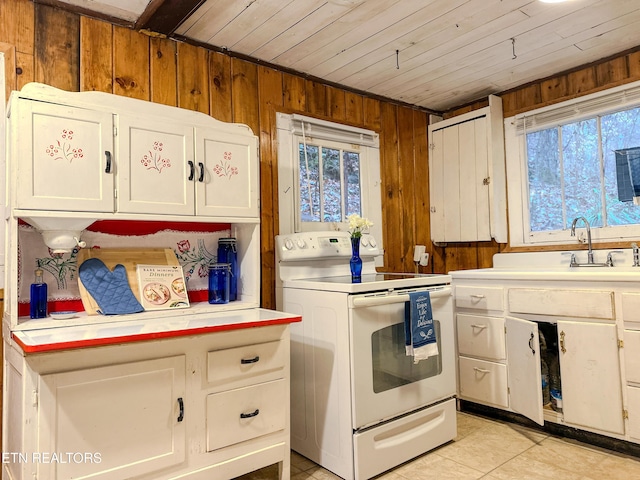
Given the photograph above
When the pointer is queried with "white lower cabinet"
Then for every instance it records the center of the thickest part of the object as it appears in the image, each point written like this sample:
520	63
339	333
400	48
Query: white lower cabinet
633	402
483	381
590	371
499	328
126	416
208	406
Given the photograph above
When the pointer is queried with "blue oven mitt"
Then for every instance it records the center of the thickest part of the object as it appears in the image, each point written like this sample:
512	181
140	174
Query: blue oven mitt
110	290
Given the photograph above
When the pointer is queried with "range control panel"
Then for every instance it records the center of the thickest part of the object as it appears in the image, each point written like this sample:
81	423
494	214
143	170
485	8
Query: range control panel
316	245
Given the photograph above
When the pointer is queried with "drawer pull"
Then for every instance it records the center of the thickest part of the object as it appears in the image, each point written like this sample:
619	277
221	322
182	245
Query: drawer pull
181	405
481	327
249	415
481	370
246	361
477	296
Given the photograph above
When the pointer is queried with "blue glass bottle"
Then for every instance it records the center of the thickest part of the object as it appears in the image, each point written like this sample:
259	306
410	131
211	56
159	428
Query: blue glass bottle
219	283
228	253
38	298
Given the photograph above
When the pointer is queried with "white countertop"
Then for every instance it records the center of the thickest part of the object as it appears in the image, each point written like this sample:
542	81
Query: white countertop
82	336
554	265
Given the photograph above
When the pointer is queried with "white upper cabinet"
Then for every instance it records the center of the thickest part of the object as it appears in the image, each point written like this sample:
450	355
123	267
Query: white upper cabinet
95	152
467	177
156	166
226	174
66	157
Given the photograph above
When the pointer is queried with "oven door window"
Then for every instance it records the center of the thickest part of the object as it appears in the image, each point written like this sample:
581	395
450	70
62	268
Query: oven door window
392	368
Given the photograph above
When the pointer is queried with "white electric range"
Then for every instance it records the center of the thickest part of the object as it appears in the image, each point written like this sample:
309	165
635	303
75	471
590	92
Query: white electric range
359	404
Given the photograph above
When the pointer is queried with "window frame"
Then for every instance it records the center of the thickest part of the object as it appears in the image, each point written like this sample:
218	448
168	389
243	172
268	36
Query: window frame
516	127
294	129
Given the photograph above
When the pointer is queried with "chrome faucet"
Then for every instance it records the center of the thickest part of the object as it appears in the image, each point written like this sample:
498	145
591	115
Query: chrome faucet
636	254
588	227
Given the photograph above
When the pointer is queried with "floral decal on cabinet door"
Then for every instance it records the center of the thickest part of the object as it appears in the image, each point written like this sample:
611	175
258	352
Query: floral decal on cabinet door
63	148
154	160
224	168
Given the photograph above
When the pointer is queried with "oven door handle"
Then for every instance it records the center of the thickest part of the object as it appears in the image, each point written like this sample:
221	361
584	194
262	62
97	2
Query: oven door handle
373	301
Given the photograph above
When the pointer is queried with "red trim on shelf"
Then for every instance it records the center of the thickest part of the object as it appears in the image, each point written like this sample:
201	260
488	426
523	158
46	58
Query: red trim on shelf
147	227
96	342
76	305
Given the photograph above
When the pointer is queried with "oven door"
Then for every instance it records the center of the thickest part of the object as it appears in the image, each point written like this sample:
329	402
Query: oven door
385	381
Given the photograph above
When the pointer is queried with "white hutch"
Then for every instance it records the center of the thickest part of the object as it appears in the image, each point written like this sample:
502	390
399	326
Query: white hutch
195	393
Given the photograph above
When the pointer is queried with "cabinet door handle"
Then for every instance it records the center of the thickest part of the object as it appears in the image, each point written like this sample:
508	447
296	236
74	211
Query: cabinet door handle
249	415
531	344
562	347
107	155
246	361
201	177
481	327
181	405
192	170
481	370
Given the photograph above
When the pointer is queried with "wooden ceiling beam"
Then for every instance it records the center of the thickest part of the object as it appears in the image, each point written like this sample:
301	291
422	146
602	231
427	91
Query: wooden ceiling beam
164	16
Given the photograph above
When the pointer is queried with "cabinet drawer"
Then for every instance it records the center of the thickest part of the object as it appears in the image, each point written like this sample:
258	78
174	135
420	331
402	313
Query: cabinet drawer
480	336
483	381
239	364
632	355
631	307
244	413
482	298
562	303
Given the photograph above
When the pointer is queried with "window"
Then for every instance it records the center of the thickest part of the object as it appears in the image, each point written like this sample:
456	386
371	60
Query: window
573	160
329	181
326	172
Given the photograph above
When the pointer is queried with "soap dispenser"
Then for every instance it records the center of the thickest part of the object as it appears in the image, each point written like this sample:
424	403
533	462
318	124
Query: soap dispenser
38	299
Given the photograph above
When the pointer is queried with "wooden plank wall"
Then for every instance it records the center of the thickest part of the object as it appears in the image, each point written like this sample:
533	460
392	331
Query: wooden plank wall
78	53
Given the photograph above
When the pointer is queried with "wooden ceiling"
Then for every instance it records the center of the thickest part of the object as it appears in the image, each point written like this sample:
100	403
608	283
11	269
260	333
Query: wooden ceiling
436	54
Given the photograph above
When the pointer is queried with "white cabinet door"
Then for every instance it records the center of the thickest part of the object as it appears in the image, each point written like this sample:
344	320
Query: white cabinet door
226	174
157	171
65	157
590	371
129	414
459	176
525	381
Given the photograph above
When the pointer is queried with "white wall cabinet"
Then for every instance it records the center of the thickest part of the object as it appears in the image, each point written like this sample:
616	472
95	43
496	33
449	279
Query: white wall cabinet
66	157
467	177
92	153
173	168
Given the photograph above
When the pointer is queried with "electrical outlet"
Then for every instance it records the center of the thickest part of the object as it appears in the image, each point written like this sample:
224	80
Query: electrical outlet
424	259
418	251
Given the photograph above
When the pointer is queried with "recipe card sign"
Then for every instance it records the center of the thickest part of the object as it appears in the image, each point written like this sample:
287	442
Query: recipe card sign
162	287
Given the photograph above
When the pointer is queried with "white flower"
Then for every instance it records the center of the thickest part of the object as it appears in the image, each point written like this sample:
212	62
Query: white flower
357	225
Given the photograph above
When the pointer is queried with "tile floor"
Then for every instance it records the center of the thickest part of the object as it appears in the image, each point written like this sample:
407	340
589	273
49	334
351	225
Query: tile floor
491	450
